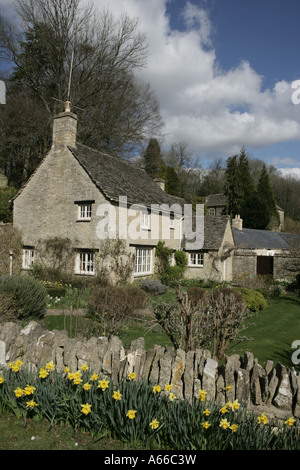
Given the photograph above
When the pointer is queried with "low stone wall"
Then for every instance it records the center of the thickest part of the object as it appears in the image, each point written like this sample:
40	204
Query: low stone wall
273	387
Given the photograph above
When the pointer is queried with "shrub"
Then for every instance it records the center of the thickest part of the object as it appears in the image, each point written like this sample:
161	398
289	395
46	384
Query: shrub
253	299
56	291
112	306
154	287
8	307
195	295
29	295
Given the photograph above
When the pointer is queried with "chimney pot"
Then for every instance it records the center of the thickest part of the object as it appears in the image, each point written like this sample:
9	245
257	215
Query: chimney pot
237	222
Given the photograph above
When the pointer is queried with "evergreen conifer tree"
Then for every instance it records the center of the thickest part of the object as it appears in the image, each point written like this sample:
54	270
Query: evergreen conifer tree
266	194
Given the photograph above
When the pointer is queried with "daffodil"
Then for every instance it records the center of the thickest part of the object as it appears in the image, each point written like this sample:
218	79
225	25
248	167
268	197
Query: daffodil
67	369
1	379
77	381
71	375
235	405
84	367
202	395
29	389
94	377
228	388
290	421
103	384
224	424
234	427
86	409
205	424
131	414
19	392
117	395
154	424
223	409
206	412
31	404
50	366
172	396
168	387
156	389
131	376
262	419
43	373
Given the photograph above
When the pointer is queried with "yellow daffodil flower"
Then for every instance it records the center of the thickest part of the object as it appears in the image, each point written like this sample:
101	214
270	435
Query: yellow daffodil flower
224	424
31	404
202	395
77	381
235	405
156	389
94	377
131	414
86	409
29	389
262	419
172	396
206	412
168	387
131	376
234	427
43	373
50	366
67	369
84	367
86	386
154	424
1	379
19	392
228	388
103	384
290	421
117	395
205	424
223	409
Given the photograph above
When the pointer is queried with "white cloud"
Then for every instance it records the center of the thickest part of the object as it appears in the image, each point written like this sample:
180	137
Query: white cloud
213	110
210	108
295	172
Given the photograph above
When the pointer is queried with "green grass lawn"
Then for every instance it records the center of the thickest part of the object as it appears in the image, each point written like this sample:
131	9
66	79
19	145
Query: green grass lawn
272	331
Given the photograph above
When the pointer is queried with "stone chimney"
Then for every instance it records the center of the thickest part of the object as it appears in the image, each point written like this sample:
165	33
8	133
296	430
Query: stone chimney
237	222
64	128
160	182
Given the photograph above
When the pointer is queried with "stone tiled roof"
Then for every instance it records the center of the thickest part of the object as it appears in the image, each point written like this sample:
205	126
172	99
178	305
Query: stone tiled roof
254	239
214	200
214	230
116	177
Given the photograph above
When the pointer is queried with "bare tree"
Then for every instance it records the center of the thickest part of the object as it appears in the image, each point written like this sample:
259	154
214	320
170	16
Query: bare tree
66	49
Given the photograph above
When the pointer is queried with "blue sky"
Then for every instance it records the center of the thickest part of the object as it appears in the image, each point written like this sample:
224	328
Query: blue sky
222	71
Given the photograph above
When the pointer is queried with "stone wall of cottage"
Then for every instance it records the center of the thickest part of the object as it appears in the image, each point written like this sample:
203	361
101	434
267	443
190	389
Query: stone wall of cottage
273	388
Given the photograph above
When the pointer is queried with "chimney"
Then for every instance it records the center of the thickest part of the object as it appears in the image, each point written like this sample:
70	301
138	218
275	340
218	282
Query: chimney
160	182
64	128
237	222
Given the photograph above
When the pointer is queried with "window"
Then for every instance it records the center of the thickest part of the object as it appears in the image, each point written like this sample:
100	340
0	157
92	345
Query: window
28	257
85	211
143	261
85	263
145	220
172	218
196	259
211	212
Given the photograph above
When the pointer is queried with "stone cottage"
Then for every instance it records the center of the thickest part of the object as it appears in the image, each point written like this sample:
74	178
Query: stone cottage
89	197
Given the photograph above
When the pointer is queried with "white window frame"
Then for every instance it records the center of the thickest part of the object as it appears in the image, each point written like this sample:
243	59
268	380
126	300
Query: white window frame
28	257
85	211
145	220
85	263
143	261
211	212
196	259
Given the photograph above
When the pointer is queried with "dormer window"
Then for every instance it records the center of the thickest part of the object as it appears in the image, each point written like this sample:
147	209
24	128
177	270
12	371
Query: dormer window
84	210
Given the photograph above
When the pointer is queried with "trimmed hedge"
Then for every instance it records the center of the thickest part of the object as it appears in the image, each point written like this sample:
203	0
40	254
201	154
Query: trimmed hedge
253	299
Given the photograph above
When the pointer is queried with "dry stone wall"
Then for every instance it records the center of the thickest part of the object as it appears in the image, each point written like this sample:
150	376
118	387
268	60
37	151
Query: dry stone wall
273	387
